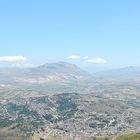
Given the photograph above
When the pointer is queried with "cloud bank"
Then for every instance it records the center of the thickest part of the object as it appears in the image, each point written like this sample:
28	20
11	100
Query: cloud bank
13	59
74	57
95	61
87	59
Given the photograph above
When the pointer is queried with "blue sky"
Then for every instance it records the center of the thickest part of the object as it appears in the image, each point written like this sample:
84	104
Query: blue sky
95	34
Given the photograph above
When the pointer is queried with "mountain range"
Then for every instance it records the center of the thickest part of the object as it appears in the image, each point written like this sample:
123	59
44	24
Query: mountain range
49	72
62	72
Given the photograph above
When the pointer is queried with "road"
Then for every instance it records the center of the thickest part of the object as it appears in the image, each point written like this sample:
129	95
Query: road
114	138
46	136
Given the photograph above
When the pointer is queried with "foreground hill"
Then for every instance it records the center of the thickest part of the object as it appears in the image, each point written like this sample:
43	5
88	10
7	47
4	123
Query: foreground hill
131	136
40	114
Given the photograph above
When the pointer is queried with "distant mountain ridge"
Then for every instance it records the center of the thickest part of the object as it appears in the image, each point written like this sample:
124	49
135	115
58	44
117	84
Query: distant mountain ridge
63	72
59	67
126	71
49	72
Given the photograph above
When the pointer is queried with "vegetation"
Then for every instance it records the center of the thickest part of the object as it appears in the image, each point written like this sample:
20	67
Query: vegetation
123	137
66	105
48	117
129	137
5	122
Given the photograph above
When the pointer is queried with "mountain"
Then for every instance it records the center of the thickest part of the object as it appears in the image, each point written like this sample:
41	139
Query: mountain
57	68
130	70
126	73
64	73
49	72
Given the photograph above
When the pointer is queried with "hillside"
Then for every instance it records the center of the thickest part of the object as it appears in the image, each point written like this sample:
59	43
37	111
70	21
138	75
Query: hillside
129	137
62	100
59	74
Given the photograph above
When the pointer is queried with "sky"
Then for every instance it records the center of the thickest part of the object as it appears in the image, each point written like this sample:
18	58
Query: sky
94	34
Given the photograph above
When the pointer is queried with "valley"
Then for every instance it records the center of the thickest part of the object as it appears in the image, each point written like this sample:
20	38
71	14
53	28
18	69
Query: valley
93	107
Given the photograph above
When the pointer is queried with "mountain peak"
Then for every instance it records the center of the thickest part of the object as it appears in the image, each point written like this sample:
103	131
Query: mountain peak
60	64
59	67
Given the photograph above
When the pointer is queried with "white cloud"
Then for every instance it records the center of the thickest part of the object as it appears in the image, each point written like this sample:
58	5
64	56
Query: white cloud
74	57
95	61
85	57
13	59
